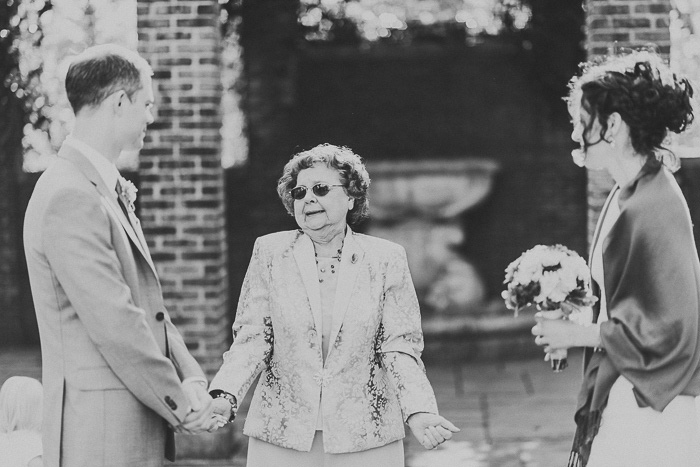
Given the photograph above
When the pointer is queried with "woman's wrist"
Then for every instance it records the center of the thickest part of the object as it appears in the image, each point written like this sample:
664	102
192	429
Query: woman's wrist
590	336
418	415
220	394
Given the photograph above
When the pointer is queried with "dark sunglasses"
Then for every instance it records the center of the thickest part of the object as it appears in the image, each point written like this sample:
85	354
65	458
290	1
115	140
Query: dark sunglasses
319	189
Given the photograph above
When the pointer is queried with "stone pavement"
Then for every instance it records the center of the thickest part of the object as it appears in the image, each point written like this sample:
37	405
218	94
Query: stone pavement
513	413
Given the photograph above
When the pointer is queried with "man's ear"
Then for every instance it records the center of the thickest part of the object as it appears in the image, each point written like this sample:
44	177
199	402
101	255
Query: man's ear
119	99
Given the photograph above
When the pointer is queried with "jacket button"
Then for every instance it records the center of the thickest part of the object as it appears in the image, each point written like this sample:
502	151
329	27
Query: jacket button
160	316
171	403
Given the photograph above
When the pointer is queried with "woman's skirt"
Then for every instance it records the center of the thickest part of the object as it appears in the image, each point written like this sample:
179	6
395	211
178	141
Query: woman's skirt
642	437
264	454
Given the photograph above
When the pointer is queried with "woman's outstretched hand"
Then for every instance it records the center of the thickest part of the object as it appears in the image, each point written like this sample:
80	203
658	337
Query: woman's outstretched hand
431	430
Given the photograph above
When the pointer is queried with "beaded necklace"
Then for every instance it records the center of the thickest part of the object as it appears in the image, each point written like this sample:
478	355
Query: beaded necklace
337	257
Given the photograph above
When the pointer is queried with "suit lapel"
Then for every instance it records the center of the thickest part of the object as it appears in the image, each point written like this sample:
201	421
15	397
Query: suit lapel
350	264
91	173
136	224
303	251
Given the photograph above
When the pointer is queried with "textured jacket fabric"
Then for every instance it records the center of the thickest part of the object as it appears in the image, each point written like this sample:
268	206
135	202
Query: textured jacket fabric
373	377
112	361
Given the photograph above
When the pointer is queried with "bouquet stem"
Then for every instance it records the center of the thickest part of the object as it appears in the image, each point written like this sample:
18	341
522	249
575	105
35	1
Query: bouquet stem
558	360
557	357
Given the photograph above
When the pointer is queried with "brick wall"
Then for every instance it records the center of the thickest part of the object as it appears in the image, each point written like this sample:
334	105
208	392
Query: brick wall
630	23
182	195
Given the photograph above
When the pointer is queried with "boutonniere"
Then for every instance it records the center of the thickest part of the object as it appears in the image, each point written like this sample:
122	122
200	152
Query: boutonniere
128	194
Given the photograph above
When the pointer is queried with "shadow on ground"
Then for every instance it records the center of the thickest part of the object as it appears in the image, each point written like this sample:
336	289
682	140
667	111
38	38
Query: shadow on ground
512	413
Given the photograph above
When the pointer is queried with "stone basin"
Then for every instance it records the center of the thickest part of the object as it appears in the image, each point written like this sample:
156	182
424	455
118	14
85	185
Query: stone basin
418	204
436	189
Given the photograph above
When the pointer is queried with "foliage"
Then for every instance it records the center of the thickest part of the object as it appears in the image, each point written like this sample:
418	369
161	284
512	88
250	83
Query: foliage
20	61
43	37
409	22
234	141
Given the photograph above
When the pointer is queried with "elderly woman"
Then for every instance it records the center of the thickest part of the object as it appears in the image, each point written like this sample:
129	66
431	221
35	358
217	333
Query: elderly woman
642	367
330	318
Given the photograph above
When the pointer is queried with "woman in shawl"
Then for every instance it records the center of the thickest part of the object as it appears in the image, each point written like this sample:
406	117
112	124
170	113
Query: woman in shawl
642	350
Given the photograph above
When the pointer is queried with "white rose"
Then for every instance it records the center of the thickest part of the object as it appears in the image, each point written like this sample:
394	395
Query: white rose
568	279
583	316
548	283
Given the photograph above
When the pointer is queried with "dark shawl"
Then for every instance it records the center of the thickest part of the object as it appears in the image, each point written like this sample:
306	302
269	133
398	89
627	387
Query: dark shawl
652	287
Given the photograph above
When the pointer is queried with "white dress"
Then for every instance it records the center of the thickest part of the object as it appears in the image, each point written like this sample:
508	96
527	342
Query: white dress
631	436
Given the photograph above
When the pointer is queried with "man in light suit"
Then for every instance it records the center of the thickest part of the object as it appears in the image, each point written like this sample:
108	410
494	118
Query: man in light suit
117	376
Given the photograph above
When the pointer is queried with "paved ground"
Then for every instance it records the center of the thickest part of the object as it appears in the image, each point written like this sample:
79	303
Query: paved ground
514	413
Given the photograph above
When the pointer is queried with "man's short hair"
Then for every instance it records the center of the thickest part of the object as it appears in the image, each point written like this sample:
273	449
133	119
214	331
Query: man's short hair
102	70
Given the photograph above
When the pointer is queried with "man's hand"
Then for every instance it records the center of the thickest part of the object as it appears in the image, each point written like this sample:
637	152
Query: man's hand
200	417
430	430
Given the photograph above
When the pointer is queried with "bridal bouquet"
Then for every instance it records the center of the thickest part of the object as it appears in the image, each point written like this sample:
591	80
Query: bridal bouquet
557	281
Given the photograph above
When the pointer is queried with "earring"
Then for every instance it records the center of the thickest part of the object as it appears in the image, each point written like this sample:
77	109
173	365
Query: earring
612	144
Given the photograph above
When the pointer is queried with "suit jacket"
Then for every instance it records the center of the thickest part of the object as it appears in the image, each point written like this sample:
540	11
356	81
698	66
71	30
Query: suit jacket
372	379
112	361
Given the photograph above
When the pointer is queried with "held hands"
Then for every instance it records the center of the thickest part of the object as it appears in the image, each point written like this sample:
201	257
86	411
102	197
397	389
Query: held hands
431	430
221	414
200	417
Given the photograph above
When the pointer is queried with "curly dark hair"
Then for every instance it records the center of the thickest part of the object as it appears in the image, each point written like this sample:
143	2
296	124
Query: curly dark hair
353	176
650	100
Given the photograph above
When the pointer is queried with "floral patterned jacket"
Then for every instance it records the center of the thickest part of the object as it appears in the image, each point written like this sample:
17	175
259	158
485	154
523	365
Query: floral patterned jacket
372	379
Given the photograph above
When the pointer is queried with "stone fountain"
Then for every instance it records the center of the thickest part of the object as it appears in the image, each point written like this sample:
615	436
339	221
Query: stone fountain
418	204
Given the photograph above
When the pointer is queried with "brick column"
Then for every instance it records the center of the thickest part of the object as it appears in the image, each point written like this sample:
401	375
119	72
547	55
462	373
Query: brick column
182	196
630	23
182	184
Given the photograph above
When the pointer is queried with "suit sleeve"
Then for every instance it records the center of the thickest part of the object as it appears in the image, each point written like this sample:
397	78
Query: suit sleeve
185	363
78	246
252	330
401	340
